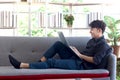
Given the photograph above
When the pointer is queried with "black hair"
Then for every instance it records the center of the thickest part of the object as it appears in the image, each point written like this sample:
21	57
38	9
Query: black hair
98	24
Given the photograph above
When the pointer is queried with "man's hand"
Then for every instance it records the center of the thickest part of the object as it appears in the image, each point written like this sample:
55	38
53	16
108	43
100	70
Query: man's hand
76	51
86	58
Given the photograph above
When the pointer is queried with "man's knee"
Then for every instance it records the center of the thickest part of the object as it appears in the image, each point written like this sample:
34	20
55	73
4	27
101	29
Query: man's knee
58	43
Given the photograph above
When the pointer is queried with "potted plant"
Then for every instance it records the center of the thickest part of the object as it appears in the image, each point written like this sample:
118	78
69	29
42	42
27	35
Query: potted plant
69	18
113	33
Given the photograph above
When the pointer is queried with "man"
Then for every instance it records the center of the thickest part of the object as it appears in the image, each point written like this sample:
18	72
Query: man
70	58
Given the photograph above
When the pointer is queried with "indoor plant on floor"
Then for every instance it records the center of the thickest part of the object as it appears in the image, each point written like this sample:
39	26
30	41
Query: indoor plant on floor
69	18
113	33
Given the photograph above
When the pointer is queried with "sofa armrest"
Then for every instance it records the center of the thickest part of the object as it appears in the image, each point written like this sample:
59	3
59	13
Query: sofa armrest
112	66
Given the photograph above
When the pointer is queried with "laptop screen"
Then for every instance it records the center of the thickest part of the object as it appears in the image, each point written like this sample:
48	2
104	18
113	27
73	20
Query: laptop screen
62	38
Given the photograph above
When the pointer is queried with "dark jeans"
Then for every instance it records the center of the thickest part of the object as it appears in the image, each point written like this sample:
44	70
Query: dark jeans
68	59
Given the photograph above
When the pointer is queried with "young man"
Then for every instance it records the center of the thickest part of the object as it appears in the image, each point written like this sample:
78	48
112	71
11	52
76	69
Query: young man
70	58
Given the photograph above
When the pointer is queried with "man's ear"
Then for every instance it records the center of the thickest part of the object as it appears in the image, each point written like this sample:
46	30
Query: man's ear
99	30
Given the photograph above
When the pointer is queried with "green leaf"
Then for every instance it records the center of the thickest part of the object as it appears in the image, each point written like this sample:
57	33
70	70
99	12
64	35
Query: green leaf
117	22
110	22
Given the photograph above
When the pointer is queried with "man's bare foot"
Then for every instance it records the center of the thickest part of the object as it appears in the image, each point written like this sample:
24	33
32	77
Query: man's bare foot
43	59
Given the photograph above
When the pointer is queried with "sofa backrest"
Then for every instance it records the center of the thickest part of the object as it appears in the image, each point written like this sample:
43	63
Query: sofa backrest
29	49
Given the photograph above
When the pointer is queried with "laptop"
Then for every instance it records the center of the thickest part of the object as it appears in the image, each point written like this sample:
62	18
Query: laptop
62	38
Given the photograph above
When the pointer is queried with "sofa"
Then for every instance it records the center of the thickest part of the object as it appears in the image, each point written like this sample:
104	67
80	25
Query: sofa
30	49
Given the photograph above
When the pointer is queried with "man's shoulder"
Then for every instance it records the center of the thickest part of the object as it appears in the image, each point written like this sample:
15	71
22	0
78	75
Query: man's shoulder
103	44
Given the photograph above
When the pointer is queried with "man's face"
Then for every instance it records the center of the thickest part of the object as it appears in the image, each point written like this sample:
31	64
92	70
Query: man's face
95	32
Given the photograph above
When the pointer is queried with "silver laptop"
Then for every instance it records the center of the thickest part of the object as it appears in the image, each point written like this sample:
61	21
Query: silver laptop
62	38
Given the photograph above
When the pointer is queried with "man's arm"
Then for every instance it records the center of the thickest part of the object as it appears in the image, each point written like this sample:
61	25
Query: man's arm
86	58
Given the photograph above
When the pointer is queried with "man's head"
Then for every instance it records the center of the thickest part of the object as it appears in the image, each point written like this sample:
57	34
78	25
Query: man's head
97	28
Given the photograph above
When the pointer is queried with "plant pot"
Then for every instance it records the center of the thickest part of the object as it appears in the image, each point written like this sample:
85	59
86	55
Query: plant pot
69	25
116	51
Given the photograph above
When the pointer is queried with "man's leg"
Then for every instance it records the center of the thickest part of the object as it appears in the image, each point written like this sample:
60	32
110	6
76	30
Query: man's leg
63	64
64	51
18	65
55	63
50	63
